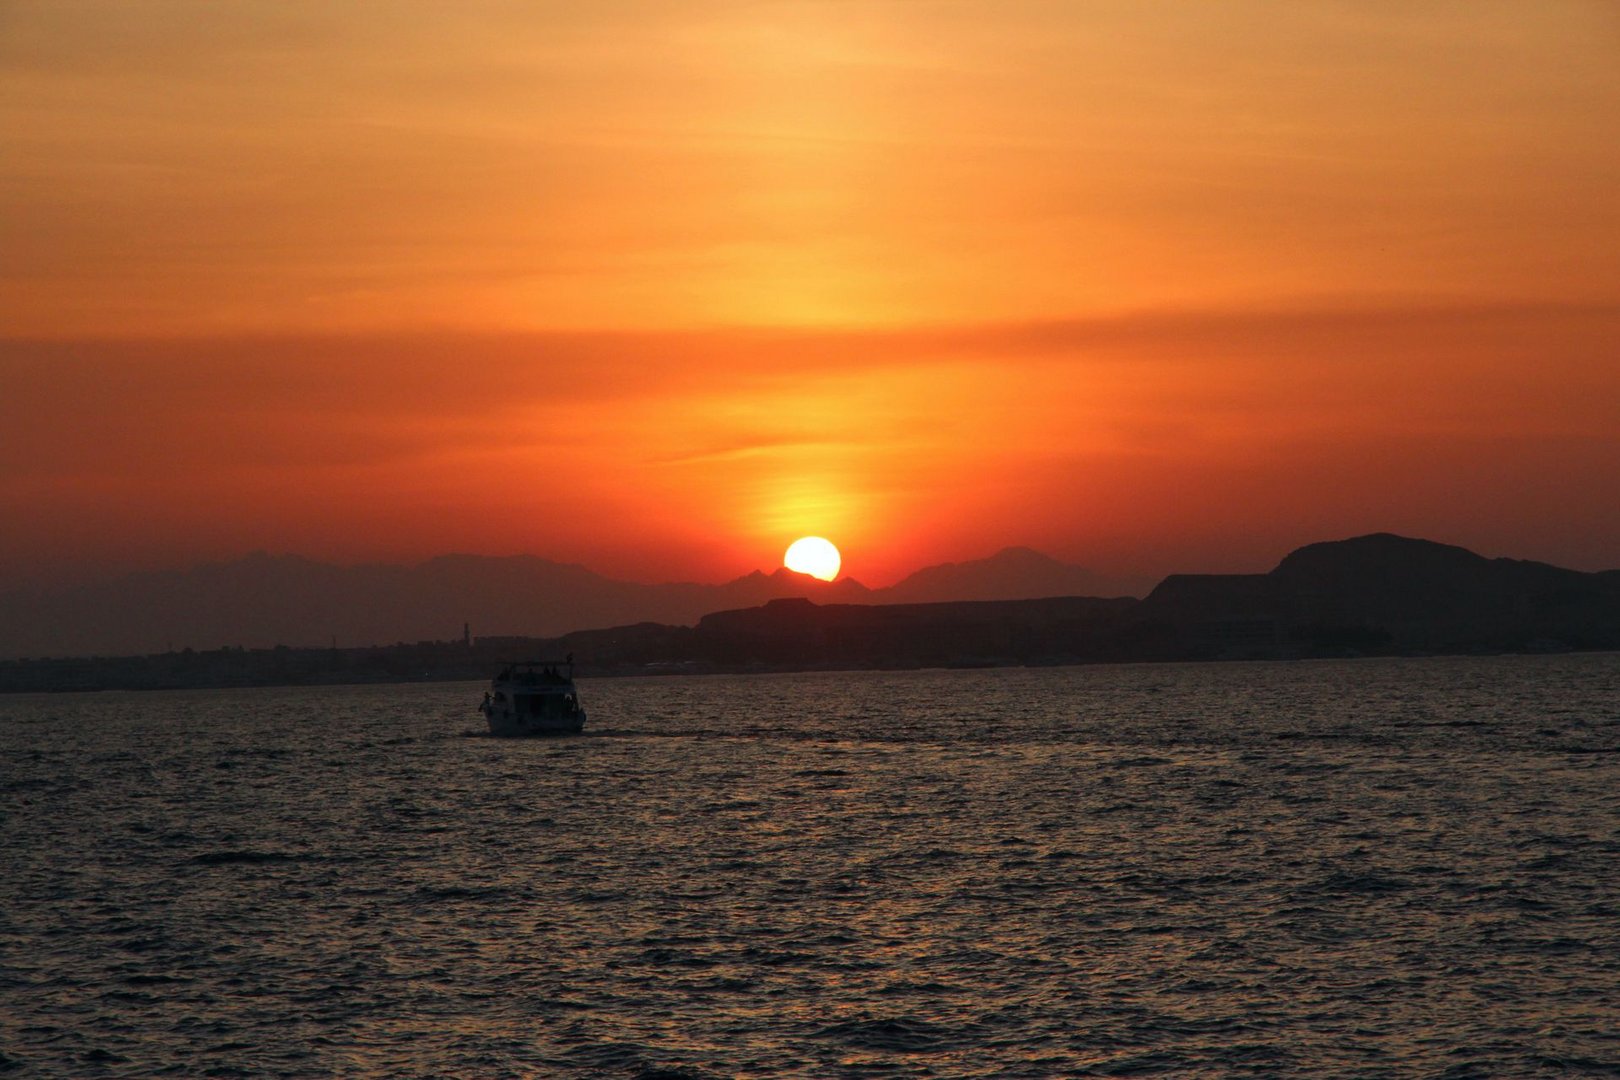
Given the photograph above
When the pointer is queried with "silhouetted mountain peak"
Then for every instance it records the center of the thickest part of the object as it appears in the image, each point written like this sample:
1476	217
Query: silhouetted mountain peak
1013	573
1376	551
1388	588
1025	555
1408	571
783	576
1015	556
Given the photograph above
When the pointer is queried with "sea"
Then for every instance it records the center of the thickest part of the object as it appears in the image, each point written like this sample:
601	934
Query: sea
1358	868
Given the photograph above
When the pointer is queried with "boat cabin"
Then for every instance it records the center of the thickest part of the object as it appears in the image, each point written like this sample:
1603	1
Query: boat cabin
531	696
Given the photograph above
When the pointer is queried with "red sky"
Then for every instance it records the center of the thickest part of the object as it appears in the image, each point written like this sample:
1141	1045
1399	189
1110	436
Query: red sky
658	287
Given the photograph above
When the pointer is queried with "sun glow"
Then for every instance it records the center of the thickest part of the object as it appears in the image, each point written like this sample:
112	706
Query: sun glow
814	556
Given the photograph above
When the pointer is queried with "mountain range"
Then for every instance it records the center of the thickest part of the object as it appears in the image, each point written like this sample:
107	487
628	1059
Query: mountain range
1369	595
1376	594
263	600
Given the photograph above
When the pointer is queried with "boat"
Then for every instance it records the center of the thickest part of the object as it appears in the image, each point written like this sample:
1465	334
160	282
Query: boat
533	697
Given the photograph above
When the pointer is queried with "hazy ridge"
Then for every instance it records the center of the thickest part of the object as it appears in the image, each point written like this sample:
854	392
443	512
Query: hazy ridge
264	600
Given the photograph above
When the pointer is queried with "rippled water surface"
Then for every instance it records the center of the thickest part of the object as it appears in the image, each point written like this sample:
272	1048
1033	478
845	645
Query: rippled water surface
1373	868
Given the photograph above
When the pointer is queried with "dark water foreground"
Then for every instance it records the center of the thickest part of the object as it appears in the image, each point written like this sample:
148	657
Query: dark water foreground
1359	869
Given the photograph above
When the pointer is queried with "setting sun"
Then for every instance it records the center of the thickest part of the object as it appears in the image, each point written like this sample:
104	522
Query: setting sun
814	556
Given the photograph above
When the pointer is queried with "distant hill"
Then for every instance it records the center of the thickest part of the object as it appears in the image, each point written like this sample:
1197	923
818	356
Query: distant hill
1014	573
264	600
1394	592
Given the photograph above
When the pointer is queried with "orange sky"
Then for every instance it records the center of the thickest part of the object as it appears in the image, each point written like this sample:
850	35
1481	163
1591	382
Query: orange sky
659	286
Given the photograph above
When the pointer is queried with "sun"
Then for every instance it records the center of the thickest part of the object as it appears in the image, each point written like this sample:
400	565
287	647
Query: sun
814	556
